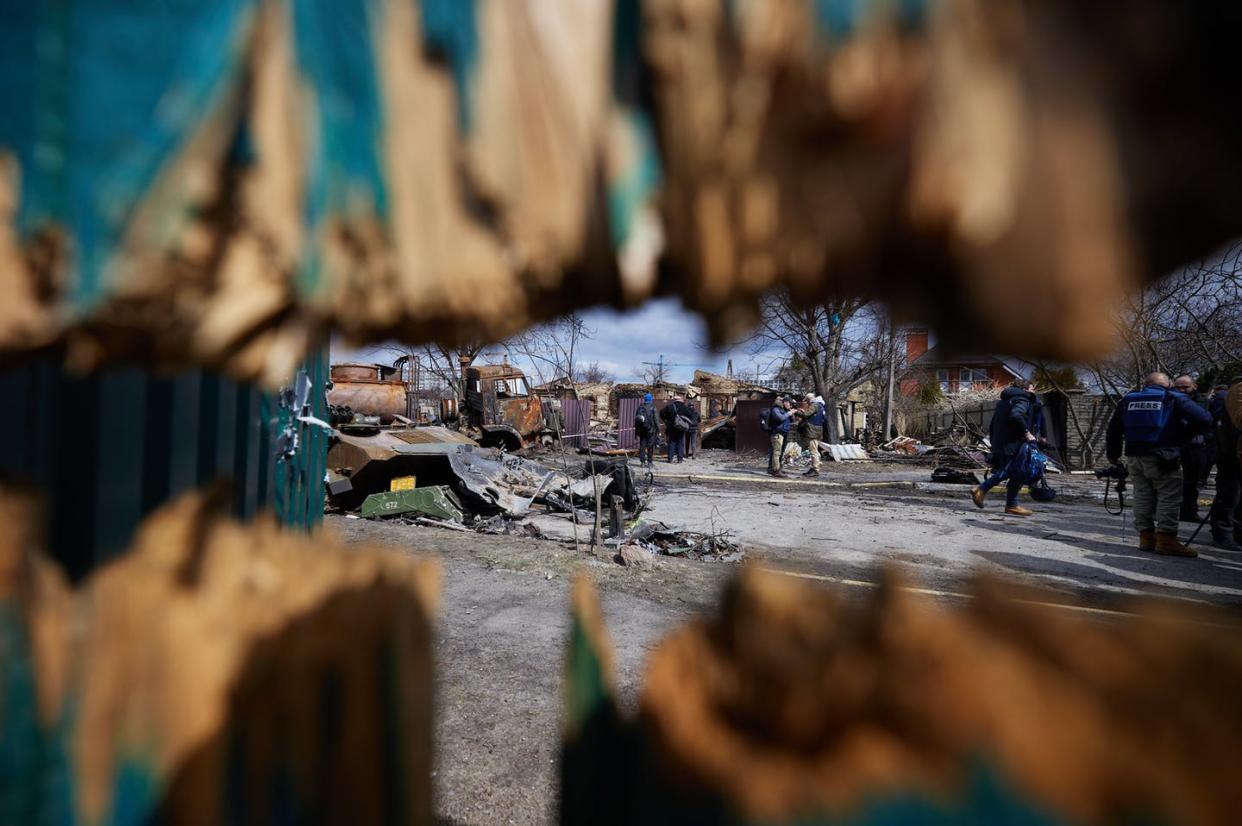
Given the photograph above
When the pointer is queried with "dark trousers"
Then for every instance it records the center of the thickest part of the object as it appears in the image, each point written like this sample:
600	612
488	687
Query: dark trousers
690	437
1195	460
676	441
646	448
1011	490
1226	510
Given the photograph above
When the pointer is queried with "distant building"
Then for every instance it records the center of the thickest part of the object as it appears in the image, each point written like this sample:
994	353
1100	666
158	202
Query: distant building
956	373
596	392
660	391
719	393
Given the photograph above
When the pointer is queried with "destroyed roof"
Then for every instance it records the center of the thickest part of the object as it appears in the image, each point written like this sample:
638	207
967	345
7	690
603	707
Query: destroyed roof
656	389
595	388
716	383
496	371
937	357
560	383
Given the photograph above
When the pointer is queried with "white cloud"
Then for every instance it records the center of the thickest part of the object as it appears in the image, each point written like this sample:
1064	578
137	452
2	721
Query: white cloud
621	343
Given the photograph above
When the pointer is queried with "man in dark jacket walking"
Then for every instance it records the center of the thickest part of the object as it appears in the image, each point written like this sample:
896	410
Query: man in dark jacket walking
646	429
1226	512
675	434
1154	423
1018	418
1196	454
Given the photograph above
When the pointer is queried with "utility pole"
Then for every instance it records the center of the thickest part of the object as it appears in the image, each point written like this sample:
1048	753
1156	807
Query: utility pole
892	374
661	364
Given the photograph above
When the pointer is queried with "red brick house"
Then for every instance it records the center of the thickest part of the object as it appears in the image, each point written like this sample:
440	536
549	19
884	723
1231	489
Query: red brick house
956	372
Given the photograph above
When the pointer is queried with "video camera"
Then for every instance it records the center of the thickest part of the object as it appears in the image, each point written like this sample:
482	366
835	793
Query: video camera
1117	472
1114	473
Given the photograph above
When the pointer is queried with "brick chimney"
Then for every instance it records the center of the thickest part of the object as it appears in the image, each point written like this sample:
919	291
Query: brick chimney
916	344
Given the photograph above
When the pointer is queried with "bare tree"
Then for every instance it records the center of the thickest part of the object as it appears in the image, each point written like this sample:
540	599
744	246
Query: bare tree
649	374
831	347
438	365
593	373
1190	321
552	352
551	349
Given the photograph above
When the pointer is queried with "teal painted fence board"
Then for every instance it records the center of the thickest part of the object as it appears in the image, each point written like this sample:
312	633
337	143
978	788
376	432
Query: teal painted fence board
109	448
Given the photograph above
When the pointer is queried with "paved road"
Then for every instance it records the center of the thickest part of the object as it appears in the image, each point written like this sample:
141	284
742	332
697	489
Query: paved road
504	619
940	539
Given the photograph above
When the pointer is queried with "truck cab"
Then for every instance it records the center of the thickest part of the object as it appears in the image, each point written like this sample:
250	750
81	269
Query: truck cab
500	408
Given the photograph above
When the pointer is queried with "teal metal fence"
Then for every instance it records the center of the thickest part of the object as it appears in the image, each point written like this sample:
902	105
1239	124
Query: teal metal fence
108	448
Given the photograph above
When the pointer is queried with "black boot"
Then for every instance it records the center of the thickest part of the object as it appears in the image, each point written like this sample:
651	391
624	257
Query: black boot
1224	541
1189	515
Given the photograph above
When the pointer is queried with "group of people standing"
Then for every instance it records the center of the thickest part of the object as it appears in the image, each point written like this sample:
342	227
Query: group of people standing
1171	436
806	419
680	421
681	428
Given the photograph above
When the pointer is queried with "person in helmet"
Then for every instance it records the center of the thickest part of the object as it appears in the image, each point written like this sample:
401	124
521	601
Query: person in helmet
1153	424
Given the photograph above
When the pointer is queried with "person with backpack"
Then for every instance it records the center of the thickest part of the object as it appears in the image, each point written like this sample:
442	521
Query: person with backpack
1017	420
646	429
776	420
675	427
1153	424
691	414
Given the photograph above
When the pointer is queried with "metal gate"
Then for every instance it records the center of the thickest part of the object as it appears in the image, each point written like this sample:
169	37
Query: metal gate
106	449
627	439
577	414
750	436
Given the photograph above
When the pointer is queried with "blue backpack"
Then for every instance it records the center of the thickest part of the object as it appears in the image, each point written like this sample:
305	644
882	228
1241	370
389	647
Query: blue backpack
1028	464
1145	414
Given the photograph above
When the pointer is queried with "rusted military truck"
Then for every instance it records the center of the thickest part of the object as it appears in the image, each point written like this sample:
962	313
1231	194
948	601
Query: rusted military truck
499	410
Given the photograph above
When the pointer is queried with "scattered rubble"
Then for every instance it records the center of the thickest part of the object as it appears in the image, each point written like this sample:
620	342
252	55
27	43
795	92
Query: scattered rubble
659	538
953	476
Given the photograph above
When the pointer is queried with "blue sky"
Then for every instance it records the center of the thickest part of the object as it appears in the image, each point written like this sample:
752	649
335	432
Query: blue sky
622	341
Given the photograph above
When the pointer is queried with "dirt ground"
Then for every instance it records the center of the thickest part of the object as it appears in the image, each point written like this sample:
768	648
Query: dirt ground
504	613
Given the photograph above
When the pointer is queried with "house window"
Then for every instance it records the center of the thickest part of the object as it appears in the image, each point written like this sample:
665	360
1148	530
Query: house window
946	386
974	378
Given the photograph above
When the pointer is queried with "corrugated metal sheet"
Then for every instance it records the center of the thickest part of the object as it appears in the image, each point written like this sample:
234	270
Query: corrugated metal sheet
848	453
577	414
750	436
626	408
109	448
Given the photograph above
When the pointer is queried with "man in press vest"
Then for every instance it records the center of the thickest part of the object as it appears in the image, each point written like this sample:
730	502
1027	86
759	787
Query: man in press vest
1153	423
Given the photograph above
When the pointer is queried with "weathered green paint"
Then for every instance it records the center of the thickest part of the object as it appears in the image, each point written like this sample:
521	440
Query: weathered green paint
109	448
434	501
298	475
